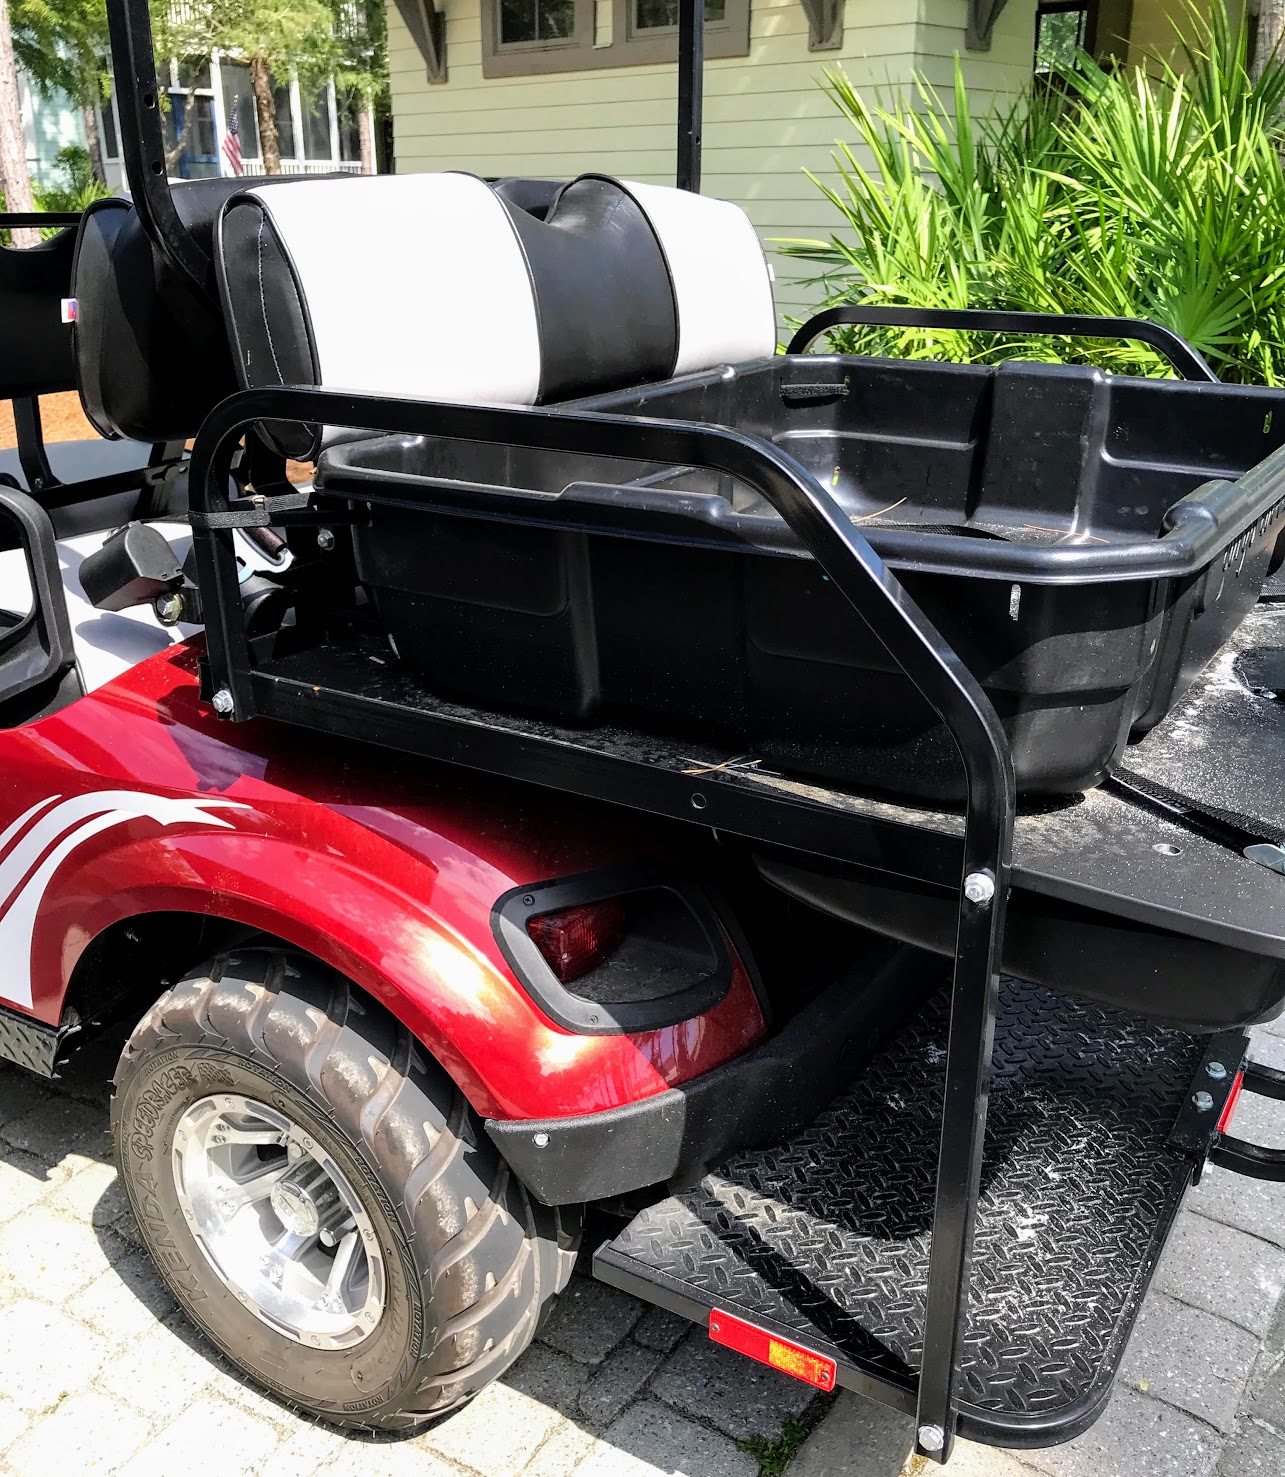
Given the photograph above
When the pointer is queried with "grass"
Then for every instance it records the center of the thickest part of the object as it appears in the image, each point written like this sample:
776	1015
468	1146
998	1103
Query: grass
775	1456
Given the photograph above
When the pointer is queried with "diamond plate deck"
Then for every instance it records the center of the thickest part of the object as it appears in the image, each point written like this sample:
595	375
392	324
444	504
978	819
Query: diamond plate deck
28	1043
827	1236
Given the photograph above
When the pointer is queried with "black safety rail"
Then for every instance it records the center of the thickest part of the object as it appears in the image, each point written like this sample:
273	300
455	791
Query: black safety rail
856	572
1186	360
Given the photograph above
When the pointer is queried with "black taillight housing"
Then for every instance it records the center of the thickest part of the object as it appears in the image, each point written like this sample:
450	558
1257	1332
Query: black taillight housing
625	949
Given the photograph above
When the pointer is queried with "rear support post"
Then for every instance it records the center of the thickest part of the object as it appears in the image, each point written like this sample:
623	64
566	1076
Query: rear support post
691	84
963	1123
32	456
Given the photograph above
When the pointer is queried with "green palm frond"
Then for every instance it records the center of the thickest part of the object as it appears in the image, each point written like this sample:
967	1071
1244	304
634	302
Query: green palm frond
1150	192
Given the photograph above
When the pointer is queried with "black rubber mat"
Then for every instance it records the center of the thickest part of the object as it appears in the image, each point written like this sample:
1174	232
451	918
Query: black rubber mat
828	1235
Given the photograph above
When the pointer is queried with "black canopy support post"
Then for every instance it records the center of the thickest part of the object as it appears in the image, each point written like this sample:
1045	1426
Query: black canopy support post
33	458
138	100
691	88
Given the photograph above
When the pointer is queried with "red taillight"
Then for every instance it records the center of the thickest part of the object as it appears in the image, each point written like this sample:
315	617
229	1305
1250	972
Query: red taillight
576	940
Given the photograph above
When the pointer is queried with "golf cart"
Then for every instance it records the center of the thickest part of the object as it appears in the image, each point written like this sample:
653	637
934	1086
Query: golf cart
824	808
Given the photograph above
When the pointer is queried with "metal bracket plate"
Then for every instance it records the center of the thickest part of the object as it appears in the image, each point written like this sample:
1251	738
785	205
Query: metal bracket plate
32	1044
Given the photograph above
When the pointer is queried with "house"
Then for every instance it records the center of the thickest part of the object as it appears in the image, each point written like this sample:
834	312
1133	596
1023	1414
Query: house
48	125
553	88
317	133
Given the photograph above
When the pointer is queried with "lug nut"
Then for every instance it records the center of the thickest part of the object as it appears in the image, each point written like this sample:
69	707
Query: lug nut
979	887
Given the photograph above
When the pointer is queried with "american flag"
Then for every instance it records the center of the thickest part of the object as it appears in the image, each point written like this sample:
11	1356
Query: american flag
232	144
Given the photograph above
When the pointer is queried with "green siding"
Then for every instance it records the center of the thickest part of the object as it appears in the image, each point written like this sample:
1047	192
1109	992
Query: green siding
766	120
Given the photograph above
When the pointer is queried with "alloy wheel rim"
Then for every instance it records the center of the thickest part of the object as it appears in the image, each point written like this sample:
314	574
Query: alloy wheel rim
278	1221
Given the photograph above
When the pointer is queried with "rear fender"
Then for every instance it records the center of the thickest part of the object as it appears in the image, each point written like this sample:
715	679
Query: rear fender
411	933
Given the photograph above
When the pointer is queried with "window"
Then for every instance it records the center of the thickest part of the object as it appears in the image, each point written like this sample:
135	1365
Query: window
348	109
1061	30
525	21
110	137
1063	27
238	98
316	125
285	122
525	36
191	113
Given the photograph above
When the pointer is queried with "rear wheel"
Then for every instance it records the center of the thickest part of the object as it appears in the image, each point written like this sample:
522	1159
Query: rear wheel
321	1199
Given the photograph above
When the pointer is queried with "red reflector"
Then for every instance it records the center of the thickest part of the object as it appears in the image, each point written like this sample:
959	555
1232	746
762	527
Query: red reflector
757	1343
578	939
1232	1098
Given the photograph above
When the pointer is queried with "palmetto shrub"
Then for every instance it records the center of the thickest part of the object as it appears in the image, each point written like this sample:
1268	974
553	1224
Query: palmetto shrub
1144	192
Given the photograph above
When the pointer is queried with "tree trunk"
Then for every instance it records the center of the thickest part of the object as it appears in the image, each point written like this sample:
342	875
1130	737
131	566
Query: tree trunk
93	142
14	179
265	107
172	156
366	137
1271	27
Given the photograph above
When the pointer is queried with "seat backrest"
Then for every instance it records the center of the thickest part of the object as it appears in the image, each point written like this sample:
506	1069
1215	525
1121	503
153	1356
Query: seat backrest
151	350
445	287
152	355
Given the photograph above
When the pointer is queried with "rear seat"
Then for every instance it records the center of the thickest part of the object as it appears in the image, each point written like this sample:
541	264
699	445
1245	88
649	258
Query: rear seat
442	287
435	286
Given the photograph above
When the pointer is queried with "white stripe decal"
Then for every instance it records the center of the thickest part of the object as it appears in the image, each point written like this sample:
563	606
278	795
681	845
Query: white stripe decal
75	820
22	820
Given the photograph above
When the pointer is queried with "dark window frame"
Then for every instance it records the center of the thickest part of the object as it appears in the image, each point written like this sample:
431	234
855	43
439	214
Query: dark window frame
627	48
1107	24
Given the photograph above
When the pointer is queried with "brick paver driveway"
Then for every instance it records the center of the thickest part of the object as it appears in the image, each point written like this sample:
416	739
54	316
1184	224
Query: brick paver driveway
99	1373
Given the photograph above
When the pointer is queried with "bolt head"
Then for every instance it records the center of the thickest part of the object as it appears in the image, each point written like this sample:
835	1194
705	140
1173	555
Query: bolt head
1202	1102
325	540
1216	1072
979	887
541	1140
169	609
932	1438
223	701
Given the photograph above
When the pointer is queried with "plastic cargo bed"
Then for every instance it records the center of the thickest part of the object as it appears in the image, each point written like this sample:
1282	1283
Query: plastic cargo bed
1086	543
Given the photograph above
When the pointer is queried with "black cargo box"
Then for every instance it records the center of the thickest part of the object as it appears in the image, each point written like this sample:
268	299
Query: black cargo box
1085	542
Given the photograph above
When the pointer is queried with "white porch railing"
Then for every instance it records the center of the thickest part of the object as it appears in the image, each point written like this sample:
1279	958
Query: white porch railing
320	166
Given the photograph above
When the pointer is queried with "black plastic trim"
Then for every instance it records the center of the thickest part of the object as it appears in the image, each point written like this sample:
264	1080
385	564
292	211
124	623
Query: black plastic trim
758	1099
37	652
514	909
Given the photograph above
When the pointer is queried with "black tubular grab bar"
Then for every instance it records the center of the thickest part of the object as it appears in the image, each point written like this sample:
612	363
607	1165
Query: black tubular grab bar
1186	360
894	619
